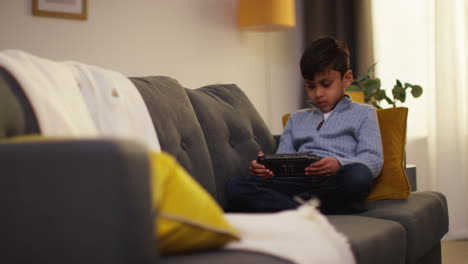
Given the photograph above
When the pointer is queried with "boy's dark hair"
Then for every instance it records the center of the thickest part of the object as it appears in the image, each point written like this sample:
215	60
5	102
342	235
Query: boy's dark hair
324	53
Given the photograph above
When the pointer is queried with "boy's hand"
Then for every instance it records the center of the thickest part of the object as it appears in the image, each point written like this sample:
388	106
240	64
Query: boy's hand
327	166
258	169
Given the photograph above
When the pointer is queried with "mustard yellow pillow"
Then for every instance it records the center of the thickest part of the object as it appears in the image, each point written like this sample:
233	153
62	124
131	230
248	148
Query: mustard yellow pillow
392	182
189	219
356	96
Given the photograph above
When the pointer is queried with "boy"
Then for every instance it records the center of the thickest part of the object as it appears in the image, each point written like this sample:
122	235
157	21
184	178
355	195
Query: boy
344	133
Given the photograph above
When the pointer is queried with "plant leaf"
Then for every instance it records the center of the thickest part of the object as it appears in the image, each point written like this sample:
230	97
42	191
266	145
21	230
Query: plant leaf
372	85
396	92
367	97
380	95
403	96
399	83
416	91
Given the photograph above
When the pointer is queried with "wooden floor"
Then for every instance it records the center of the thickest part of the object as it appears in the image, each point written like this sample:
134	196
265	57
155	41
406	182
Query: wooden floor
455	252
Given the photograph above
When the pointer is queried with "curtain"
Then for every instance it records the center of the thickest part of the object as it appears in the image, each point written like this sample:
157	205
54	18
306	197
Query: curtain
425	42
346	20
448	138
349	21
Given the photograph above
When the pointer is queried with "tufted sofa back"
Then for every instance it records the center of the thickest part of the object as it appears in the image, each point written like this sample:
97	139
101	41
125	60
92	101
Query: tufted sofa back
233	130
213	132
177	127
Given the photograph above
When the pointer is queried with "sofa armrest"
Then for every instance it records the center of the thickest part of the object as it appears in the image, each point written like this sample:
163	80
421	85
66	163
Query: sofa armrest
80	201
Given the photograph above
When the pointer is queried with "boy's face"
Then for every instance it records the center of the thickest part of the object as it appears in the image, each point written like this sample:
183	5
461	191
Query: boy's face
327	88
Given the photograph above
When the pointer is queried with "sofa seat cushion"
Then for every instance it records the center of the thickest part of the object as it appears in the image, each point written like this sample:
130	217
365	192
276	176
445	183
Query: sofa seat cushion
372	240
177	127
233	129
424	216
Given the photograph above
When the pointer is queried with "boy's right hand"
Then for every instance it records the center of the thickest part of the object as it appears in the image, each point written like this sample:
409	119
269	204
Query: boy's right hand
259	170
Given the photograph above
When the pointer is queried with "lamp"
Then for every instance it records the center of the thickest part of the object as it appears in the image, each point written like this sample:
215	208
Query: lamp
266	15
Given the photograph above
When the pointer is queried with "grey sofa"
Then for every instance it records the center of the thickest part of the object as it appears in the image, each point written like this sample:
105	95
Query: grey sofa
87	201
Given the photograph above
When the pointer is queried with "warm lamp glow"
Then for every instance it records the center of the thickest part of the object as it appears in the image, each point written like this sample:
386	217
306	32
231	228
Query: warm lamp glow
266	15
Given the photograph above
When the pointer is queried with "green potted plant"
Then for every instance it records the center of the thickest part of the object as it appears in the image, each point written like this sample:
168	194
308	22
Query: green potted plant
370	86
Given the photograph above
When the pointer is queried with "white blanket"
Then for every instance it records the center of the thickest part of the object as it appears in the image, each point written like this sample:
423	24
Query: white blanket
115	104
73	99
303	235
53	93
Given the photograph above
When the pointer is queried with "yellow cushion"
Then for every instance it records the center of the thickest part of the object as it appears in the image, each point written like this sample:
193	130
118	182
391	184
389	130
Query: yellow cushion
285	119
189	219
392	182
356	96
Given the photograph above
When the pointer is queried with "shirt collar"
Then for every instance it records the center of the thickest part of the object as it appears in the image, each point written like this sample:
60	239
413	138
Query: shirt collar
343	101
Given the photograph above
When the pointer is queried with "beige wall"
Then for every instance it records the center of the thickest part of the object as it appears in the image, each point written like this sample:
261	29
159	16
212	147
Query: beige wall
194	41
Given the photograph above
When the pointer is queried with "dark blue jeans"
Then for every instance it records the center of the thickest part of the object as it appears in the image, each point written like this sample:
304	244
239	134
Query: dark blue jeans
339	194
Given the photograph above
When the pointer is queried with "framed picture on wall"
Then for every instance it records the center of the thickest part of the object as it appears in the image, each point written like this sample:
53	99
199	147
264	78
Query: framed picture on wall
72	9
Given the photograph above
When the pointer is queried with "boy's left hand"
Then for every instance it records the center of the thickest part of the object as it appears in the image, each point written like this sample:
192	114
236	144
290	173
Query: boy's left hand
327	166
